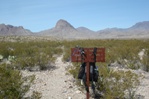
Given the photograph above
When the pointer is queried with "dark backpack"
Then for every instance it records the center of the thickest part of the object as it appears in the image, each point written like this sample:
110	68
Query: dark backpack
81	71
93	75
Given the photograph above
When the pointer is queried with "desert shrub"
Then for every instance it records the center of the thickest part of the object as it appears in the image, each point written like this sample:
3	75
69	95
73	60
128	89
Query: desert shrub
36	95
145	61
12	84
124	52
1	58
5	50
31	53
114	83
74	70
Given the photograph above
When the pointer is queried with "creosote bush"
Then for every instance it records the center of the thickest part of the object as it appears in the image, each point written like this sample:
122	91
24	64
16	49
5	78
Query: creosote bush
115	83
12	84
145	61
29	54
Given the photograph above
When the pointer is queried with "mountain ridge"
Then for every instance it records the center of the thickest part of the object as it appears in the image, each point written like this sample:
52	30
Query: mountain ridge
13	30
141	25
64	29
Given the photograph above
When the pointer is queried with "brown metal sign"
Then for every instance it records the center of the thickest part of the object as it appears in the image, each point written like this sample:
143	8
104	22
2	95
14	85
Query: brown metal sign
89	56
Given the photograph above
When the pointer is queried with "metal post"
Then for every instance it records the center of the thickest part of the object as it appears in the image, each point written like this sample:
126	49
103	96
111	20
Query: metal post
88	79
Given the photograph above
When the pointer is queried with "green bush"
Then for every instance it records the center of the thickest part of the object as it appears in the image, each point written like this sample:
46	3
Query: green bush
36	95
145	61
12	84
114	83
29	54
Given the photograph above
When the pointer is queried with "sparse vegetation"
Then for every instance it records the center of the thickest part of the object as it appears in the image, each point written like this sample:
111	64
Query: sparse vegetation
124	52
17	56
36	95
12	84
114	84
30	54
145	61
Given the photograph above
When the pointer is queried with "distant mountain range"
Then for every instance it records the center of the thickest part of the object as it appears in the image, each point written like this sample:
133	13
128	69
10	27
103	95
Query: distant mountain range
13	30
65	30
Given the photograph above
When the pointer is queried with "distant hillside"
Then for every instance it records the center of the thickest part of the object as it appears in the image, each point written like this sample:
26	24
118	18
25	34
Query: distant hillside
139	30
64	30
141	26
13	30
85	30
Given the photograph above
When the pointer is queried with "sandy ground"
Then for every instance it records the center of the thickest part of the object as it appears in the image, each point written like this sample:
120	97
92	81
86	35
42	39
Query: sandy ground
143	89
58	84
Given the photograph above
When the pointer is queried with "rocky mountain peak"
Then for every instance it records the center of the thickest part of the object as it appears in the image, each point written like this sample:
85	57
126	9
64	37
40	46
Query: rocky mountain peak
141	25
61	24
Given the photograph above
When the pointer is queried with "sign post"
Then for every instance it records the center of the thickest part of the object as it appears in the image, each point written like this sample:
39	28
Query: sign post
88	55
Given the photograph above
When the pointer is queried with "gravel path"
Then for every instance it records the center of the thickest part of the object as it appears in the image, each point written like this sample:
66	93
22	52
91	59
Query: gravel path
56	84
143	89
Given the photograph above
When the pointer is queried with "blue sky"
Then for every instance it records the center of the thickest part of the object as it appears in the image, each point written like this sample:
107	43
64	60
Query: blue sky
38	15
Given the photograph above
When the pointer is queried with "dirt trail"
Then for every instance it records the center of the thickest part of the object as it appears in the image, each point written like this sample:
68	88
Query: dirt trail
143	89
56	84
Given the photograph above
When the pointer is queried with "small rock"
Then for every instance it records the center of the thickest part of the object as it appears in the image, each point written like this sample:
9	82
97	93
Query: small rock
69	98
70	86
1	57
78	92
64	92
35	68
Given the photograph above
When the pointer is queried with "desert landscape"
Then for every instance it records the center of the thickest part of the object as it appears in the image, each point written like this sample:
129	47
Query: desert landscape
74	49
41	62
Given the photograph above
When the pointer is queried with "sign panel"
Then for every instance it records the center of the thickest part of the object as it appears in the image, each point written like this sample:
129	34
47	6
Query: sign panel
87	55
